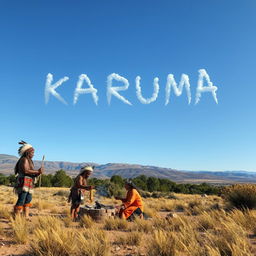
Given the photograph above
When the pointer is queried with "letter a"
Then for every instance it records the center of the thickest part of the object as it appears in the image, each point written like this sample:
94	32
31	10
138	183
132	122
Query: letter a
200	88
79	89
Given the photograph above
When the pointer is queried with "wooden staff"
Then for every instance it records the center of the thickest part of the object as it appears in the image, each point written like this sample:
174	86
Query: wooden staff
40	176
91	195
39	185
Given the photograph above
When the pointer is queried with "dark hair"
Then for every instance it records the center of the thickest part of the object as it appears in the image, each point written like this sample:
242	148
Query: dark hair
130	183
31	163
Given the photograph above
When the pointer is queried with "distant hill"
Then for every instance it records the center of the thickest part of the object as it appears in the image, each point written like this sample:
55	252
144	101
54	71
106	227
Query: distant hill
7	163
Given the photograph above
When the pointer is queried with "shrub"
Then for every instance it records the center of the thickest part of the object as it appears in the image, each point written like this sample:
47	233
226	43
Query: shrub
145	194
241	196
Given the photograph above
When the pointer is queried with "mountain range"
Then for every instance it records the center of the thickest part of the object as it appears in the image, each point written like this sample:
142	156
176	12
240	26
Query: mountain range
7	163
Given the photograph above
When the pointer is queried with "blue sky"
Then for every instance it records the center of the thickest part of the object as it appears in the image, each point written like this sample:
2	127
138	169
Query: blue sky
130	38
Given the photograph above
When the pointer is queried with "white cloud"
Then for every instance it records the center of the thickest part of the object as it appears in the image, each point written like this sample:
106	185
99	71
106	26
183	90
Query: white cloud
139	94
79	90
50	88
111	90
177	90
201	88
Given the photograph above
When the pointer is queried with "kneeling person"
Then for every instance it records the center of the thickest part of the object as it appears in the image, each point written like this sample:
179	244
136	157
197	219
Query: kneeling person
132	204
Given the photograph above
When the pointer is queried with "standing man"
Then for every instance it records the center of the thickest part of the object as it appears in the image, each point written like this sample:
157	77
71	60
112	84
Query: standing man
77	191
24	170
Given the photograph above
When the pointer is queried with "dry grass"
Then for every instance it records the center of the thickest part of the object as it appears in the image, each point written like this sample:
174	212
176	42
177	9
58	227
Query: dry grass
131	238
65	211
44	222
54	210
60	242
223	239
4	212
142	225
42	205
20	229
11	200
151	212
1	230
93	242
115	224
202	227
206	221
162	244
86	222
67	221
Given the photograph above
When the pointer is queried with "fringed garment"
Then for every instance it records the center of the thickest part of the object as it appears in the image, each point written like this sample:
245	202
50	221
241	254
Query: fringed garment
24	183
76	193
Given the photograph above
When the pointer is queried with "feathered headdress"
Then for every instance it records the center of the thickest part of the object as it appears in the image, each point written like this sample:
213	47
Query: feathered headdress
86	169
25	146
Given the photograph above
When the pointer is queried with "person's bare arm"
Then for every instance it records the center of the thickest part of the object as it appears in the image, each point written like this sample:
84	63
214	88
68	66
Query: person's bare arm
27	169
80	184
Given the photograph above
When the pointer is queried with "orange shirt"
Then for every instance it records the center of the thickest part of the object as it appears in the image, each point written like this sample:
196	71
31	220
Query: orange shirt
133	198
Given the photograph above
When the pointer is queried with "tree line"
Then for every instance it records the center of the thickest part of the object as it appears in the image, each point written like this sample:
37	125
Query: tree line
115	185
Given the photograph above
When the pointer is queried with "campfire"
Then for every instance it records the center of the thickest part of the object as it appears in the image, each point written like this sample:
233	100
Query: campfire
98	211
98	205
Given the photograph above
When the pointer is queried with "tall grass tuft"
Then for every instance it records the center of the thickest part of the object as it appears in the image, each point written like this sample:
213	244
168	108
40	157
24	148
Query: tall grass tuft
162	244
206	221
131	238
48	221
93	242
20	229
143	225
115	224
230	239
67	221
86	221
57	241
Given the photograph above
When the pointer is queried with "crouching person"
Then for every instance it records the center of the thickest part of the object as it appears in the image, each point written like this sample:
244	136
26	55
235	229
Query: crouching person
24	170
132	205
77	191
